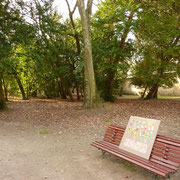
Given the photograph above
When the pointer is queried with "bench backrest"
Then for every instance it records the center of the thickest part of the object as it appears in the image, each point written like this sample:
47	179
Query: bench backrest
166	151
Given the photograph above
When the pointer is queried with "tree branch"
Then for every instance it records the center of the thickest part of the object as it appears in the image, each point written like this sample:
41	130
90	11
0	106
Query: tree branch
71	12
89	8
74	7
68	6
73	25
127	29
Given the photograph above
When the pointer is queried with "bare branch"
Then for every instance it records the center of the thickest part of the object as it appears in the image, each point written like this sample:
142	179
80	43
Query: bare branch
73	25
71	12
75	7
68	6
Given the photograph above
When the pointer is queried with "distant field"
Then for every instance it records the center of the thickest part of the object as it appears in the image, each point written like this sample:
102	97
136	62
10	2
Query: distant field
159	97
129	97
14	98
169	97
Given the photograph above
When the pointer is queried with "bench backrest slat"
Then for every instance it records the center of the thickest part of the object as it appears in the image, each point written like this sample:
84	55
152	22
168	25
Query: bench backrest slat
170	139
165	150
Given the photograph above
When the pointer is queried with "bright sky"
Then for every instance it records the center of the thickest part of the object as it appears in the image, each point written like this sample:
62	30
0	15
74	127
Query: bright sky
63	10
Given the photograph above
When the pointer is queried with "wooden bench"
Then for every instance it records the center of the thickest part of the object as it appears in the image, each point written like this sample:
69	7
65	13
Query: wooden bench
164	159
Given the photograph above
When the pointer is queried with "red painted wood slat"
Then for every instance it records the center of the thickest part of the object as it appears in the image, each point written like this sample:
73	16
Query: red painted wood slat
130	160
137	158
165	153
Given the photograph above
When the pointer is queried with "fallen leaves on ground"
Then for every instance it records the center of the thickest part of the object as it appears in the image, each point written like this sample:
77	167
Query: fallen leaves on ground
61	116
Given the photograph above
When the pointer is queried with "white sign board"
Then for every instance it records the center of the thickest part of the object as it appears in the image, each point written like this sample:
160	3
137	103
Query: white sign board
139	136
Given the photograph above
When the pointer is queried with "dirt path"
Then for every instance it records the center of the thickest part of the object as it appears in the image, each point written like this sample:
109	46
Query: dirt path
28	153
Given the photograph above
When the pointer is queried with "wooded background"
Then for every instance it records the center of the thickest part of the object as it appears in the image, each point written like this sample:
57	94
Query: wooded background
91	56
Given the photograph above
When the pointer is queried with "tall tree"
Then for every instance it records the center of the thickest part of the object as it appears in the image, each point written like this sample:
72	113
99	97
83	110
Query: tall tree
112	45
77	39
9	16
158	41
56	62
14	30
90	99
2	98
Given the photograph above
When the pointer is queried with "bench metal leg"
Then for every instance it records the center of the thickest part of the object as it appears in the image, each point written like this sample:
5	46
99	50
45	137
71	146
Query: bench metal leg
154	176
168	177
103	153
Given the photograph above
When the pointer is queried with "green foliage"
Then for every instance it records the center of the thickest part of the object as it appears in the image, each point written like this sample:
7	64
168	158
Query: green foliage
54	51
38	51
157	43
112	48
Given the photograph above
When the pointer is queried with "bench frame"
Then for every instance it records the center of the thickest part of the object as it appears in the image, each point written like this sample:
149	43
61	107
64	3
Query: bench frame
164	159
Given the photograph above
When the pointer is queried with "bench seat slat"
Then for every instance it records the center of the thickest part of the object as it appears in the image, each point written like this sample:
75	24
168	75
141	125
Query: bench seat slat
164	164
135	157
165	161
142	159
104	148
161	144
164	158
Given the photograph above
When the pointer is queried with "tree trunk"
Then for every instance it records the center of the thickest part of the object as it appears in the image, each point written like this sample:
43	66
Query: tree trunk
81	90
61	90
108	90
121	91
5	89
153	92
1	93
69	94
47	95
2	99
90	100
77	91
27	92
20	87
34	93
142	96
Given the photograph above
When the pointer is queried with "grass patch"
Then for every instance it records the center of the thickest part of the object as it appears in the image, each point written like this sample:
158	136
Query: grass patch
169	97
129	97
159	97
108	121
44	132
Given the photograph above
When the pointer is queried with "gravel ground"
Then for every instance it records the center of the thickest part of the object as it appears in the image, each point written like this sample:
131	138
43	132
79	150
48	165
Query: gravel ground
50	139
